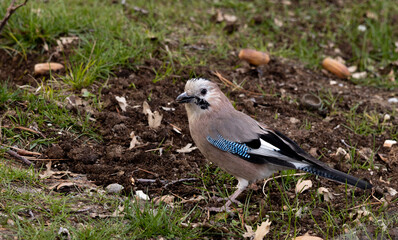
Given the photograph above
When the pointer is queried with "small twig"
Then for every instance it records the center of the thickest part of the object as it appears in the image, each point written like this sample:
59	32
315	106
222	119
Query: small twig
144	170
233	85
342	140
22	151
180	180
16	155
47	159
166	182
10	10
143	180
27	129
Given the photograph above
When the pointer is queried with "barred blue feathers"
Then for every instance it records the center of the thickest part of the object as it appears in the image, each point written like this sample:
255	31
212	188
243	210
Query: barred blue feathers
225	145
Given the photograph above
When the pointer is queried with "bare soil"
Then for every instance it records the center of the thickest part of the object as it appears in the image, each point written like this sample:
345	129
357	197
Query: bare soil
283	83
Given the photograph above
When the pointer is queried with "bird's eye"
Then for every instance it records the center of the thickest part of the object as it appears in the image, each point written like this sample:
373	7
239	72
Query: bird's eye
203	91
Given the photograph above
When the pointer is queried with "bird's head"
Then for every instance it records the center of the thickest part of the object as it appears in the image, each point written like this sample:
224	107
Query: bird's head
201	95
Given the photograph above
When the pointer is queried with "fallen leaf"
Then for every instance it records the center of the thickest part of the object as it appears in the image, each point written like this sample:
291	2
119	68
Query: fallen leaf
48	172
328	196
366	153
389	143
352	69
146	109
230	18
303	185
187	149
262	230
68	40
168	199
278	22
249	232
359	75
65	184
122	102
117	212
154	120
133	141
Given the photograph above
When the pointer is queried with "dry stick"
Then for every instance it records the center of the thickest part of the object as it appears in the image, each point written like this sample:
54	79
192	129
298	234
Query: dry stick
166	182
10	10
233	85
180	180
16	155
22	151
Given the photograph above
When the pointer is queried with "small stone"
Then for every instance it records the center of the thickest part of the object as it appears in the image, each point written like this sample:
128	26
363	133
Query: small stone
114	188
386	117
45	68
141	195
393	100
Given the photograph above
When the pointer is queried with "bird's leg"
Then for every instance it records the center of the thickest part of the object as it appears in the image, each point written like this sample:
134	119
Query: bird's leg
242	184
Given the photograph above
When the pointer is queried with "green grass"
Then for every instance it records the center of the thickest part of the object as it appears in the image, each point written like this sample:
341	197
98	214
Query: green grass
42	112
37	213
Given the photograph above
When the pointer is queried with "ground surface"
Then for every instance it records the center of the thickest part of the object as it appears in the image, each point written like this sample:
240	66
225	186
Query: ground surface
272	98
145	51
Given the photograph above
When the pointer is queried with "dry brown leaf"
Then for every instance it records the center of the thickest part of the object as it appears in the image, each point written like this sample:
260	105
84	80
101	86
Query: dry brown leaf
65	184
328	196
249	232
117	212
48	172
303	185
146	109
359	75
262	230
154	120
187	149
122	102
168	199
133	141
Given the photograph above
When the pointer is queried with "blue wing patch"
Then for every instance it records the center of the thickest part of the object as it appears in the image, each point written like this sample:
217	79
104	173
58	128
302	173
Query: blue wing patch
225	145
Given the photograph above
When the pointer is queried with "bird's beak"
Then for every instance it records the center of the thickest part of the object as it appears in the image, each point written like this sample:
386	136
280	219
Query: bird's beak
184	98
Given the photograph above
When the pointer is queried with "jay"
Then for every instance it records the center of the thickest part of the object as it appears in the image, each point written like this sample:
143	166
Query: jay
243	147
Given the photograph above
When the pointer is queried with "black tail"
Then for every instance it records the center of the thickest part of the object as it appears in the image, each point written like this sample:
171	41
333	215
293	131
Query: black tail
338	176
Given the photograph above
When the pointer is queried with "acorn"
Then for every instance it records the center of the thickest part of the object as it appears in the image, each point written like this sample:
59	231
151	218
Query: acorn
335	67
45	68
254	57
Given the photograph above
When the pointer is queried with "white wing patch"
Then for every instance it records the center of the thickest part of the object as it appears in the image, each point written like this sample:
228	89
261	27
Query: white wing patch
267	146
266	149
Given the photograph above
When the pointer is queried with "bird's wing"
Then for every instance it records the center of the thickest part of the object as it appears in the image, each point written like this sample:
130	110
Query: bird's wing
242	136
